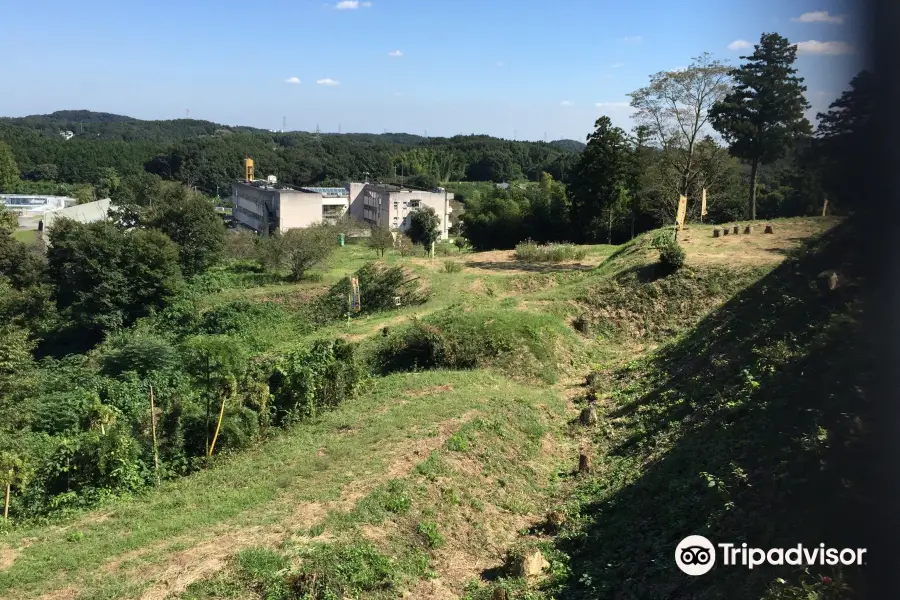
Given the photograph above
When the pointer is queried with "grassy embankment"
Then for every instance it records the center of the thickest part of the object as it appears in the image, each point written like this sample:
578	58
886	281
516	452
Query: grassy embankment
423	482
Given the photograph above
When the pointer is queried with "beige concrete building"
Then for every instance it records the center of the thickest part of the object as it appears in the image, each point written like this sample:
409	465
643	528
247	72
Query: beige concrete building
267	207
391	205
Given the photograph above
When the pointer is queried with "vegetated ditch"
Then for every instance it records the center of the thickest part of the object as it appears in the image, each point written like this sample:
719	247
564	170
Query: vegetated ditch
628	445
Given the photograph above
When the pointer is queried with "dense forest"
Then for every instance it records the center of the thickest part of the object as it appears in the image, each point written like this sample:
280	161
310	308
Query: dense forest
208	156
112	375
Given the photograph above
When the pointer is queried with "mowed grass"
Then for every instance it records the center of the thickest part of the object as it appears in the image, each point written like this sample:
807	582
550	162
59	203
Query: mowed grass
255	492
28	236
423	470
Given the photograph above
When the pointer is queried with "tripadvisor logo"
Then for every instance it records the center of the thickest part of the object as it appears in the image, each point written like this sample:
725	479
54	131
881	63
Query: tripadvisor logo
696	555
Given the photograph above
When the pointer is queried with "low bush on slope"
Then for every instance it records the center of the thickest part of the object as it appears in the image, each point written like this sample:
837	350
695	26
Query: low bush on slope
520	342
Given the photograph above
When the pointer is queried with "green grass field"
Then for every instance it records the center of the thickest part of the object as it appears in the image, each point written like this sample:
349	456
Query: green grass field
26	235
424	482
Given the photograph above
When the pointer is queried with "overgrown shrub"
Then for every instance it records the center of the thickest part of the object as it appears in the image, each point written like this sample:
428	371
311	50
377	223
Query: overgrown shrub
672	255
404	245
297	250
378	287
530	251
310	380
522	343
240	317
452	266
331	571
443	249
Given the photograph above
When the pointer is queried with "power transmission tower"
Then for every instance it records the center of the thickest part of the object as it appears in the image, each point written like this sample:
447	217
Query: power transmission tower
317	133
283	124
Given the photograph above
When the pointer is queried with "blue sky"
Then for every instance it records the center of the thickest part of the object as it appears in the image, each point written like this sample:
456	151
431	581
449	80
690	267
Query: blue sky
509	68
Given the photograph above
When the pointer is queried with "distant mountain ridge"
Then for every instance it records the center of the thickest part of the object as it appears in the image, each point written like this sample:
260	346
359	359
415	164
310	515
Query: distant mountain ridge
105	125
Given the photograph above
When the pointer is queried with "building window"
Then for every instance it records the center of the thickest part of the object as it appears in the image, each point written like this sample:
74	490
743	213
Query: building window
414	203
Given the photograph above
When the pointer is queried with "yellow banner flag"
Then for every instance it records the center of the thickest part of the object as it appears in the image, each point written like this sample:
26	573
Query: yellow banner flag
682	209
703	212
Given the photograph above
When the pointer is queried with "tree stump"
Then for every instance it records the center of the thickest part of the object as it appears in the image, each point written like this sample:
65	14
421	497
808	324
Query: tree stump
590	379
716	232
736	230
768	229
725	231
584	464
500	594
589	415
748	229
828	280
555	520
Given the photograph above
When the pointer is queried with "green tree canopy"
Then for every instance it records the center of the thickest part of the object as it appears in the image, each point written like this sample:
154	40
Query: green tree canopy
844	143
424	226
105	278
190	220
9	170
763	114
602	171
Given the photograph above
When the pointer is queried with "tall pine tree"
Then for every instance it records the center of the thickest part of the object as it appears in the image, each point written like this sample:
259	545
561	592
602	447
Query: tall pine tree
602	170
763	114
844	144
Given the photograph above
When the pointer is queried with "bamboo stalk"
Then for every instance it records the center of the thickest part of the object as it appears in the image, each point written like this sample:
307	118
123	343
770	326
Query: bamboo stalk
212	446
153	429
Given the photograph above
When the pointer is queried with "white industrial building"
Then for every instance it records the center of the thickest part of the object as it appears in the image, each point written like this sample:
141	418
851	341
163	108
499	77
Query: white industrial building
35	205
267	207
392	205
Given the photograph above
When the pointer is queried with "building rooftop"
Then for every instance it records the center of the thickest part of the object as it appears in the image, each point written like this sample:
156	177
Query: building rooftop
330	192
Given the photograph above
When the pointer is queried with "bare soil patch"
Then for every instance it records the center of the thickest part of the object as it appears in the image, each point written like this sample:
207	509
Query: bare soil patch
749	250
504	261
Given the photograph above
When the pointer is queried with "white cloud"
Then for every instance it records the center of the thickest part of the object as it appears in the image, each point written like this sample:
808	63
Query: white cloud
327	81
500	63
739	45
566	103
351	5
395	53
817	47
617	65
632	39
292	80
820	16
